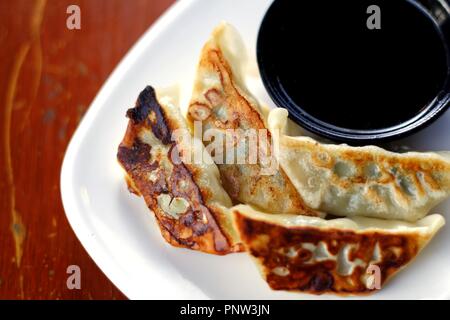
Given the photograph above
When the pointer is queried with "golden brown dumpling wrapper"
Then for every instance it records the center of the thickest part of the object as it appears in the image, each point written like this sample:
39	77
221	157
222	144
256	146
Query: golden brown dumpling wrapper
221	102
187	199
314	255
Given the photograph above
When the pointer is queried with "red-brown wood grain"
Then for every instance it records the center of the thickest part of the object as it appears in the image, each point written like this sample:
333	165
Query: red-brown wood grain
48	77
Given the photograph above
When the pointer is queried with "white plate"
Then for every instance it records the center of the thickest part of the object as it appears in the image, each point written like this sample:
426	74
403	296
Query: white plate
117	229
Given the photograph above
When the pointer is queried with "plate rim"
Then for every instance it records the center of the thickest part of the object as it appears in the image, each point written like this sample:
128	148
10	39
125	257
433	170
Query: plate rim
91	245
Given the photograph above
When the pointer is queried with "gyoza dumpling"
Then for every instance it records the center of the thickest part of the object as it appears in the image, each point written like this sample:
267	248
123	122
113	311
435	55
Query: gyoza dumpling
340	256
186	196
220	102
361	181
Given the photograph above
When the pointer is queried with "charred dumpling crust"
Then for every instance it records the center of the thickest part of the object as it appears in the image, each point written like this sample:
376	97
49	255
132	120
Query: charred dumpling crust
329	257
188	213
220	101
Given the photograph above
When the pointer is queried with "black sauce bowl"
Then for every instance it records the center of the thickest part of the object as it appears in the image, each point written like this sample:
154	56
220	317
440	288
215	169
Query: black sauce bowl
437	10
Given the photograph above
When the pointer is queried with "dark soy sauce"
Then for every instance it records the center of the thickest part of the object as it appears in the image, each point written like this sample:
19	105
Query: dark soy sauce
339	71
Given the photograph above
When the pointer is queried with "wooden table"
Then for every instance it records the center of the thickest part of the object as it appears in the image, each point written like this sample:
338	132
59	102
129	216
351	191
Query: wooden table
48	77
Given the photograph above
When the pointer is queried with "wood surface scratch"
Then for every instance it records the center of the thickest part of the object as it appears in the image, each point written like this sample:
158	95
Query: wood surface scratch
48	77
32	42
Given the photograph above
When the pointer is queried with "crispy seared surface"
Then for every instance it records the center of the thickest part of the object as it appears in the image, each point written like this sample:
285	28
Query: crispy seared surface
316	260
220	102
169	187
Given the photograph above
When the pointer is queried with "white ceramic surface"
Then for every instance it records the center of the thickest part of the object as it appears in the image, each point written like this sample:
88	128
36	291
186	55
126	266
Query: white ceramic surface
117	229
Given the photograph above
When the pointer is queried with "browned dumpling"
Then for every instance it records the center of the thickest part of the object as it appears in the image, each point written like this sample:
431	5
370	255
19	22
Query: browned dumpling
314	255
221	102
187	198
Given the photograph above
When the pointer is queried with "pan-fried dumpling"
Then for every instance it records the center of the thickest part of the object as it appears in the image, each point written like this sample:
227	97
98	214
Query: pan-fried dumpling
361	181
220	102
340	256
187	198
